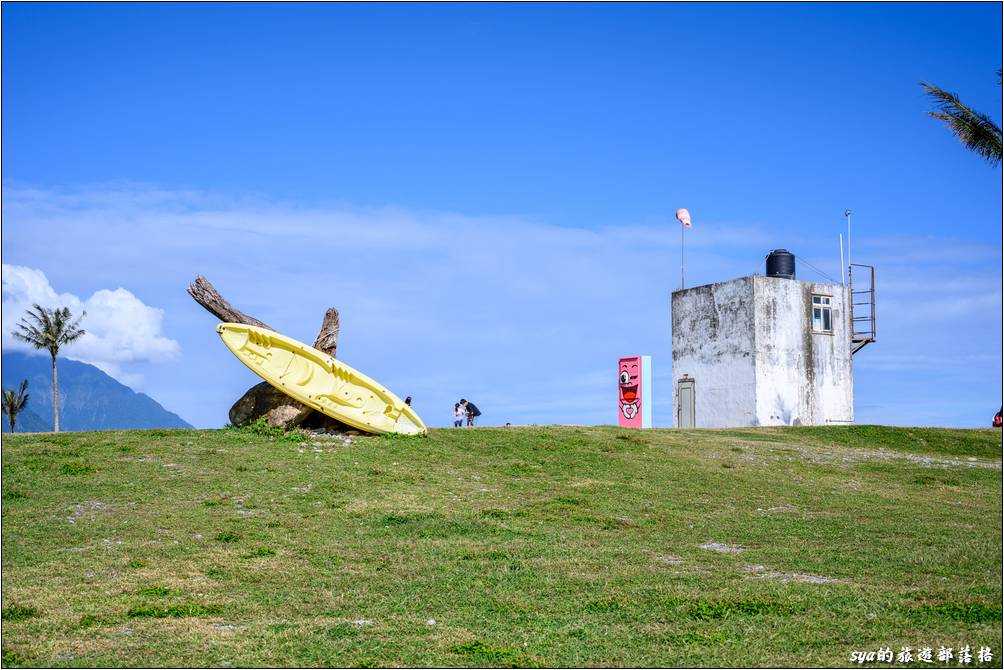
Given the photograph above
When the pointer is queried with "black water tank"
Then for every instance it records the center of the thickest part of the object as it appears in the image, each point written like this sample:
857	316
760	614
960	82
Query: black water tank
781	263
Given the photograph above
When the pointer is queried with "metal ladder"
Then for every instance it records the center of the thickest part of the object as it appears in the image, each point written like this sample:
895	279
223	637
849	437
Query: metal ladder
862	308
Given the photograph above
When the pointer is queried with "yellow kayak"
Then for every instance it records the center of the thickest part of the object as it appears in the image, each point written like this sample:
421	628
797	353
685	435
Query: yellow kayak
319	381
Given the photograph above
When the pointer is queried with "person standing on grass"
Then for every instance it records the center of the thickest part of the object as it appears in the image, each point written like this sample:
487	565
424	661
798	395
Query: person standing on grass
458	416
472	411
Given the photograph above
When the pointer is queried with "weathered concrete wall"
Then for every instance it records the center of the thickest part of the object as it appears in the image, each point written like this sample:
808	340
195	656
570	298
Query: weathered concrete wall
713	344
802	377
749	345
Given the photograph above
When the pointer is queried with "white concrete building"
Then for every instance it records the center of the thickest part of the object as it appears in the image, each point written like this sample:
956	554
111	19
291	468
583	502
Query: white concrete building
762	351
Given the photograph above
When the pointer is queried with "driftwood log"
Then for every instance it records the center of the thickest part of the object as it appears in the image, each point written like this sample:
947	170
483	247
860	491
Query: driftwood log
263	400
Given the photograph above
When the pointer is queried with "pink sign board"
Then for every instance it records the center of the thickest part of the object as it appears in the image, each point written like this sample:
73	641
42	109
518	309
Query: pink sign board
634	392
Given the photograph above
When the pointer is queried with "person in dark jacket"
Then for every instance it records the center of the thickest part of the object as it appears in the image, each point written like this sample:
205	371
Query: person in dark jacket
472	411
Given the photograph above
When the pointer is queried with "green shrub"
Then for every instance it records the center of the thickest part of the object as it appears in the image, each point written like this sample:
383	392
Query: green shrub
10	658
260	428
75	469
603	606
260	552
18	613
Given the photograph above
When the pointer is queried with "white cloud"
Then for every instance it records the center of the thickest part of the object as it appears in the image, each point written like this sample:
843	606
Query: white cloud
119	328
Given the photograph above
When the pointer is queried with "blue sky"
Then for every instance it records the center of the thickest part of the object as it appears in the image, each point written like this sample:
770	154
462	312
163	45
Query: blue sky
486	191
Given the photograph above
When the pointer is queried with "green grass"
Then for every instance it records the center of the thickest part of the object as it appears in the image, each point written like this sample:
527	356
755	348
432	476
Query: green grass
551	546
172	611
75	469
154	591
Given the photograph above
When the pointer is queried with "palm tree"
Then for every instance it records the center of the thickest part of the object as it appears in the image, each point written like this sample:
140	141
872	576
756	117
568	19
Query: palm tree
50	329
975	130
14	402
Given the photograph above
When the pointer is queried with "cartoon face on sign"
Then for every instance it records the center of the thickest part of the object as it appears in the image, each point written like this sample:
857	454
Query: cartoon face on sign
629	392
634	392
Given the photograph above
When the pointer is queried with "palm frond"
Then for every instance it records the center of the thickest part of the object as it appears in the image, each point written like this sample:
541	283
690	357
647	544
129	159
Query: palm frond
72	331
976	131
13	402
35	327
49	328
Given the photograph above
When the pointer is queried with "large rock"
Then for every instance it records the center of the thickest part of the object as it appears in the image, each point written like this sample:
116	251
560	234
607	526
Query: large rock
264	400
281	411
321	422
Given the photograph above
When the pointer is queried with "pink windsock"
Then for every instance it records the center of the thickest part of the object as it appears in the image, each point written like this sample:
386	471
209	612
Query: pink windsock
683	216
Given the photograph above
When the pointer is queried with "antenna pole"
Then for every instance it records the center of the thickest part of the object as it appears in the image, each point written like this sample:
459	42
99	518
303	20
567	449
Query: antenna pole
848	215
842	281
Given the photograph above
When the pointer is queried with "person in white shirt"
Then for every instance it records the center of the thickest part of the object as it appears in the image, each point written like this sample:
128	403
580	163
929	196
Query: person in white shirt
459	414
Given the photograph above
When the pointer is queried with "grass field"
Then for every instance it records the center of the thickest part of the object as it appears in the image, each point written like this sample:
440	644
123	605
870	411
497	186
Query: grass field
554	546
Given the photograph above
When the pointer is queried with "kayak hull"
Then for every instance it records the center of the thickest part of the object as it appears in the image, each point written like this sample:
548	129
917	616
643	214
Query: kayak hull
320	381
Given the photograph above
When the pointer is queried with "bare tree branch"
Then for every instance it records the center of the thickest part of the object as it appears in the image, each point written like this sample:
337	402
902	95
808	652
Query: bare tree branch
327	338
206	295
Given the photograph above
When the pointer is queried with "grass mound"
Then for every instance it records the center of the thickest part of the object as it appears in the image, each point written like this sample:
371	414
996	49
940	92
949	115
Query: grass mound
550	546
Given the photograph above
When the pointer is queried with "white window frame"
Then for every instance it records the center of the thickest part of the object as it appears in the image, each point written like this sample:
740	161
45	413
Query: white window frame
822	313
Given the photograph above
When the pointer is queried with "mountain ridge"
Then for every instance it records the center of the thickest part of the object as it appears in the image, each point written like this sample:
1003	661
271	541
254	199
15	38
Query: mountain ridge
90	399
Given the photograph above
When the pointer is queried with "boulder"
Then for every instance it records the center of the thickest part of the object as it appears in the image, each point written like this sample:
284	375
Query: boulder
281	411
264	400
321	422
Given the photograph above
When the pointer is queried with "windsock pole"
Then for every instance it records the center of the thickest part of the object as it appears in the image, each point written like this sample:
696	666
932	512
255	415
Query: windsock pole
683	216
682	283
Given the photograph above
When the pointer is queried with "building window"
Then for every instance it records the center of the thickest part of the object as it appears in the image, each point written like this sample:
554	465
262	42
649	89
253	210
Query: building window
822	321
